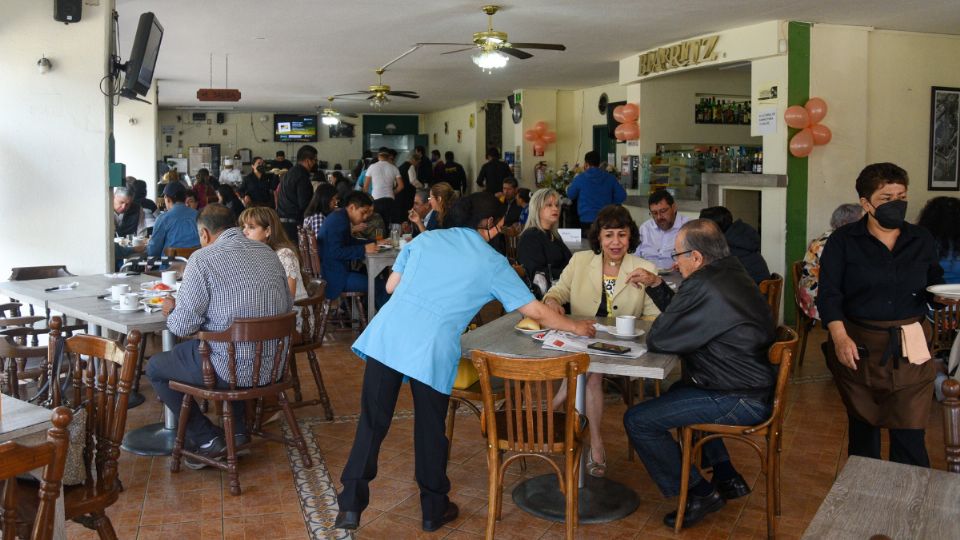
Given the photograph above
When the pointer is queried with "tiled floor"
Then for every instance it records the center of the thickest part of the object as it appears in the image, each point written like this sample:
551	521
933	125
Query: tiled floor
197	504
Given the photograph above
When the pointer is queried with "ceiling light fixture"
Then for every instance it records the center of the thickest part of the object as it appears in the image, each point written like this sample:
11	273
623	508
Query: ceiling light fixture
330	120
378	101
490	60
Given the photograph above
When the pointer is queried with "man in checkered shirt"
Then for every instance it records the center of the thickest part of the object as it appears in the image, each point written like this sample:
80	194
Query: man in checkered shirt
231	277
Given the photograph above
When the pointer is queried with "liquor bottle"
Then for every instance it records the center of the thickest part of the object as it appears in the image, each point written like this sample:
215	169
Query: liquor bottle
760	163
715	112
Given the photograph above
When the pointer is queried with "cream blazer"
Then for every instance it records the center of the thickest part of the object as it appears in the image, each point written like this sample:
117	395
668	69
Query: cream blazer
580	284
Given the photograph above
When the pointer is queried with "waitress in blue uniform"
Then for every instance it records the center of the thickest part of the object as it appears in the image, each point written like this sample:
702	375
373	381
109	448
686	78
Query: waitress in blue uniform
439	282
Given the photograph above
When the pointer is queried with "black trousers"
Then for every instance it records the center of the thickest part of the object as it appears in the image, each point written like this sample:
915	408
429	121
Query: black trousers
291	229
906	445
378	399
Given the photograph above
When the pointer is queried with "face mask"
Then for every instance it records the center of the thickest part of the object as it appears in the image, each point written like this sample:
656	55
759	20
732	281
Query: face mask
261	169
891	215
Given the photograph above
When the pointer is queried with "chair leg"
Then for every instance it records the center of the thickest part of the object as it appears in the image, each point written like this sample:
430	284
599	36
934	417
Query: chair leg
776	473
233	472
103	525
687	436
451	420
295	377
324	318
298	439
769	470
629	384
181	433
571	517
493	490
321	388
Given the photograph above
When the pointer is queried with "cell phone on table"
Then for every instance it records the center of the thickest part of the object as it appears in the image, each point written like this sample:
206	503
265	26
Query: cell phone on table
608	347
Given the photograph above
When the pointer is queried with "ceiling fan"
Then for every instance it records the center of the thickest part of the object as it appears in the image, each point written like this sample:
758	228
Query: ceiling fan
492	45
330	116
379	94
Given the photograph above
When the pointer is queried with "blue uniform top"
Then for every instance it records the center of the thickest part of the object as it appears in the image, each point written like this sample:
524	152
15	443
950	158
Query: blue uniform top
175	228
593	189
448	275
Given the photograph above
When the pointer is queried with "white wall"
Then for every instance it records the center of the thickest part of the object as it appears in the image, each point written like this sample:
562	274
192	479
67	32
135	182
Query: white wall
444	125
54	202
135	135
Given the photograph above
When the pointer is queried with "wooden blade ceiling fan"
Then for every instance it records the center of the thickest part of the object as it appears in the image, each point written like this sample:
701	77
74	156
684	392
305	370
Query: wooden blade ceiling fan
493	45
379	94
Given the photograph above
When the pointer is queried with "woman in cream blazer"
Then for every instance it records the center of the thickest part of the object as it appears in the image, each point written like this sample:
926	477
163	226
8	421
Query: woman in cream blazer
595	283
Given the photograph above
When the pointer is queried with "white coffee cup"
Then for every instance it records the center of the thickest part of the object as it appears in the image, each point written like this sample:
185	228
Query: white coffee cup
118	290
169	278
626	325
137	241
129	301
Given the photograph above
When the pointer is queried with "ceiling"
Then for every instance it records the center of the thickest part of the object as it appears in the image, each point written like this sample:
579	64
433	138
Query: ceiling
289	55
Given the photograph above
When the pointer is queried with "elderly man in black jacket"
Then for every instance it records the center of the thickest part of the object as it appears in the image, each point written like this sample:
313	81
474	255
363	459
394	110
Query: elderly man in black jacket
720	326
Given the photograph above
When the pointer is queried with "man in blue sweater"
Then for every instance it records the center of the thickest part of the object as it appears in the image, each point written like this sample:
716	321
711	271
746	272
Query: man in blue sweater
593	189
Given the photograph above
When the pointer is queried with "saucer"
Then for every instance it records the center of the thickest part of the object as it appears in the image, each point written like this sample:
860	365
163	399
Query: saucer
528	332
946	291
126	310
628	336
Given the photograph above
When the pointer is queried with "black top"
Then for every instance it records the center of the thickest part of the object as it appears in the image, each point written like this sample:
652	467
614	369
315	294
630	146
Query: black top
130	220
861	279
536	249
744	242
260	190
492	174
295	194
425	171
283	164
454	175
511	212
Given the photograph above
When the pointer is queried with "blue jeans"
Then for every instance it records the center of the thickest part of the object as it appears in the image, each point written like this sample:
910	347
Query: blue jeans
648	426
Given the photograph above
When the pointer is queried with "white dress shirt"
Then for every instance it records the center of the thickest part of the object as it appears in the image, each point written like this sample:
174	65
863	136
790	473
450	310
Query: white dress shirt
656	244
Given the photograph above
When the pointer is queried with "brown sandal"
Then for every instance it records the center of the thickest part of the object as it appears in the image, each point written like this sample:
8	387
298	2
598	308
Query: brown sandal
596	469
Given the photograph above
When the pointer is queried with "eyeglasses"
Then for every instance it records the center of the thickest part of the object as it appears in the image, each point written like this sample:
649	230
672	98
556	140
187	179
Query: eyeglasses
676	255
657	213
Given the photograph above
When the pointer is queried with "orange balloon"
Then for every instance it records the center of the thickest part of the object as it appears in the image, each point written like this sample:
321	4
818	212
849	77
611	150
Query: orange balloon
619	132
802	143
797	117
630	113
821	134
530	135
618	114
631	131
816	108
540	127
549	137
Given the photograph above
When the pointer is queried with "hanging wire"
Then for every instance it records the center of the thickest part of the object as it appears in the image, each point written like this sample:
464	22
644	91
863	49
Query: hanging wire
211	70
226	72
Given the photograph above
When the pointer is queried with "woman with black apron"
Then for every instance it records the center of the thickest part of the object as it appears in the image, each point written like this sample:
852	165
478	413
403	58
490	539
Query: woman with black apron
873	279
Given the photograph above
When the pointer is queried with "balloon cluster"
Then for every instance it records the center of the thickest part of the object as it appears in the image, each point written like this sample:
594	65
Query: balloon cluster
807	120
540	136
627	115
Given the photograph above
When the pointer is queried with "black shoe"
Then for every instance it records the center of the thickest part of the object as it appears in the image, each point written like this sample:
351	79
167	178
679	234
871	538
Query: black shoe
697	508
347	520
214	449
732	488
240	439
449	515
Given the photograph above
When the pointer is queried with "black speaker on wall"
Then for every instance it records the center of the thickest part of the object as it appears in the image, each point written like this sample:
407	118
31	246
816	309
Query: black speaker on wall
67	11
512	101
221	118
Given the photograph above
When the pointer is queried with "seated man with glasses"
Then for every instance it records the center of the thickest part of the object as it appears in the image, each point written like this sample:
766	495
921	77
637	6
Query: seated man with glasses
720	326
658	233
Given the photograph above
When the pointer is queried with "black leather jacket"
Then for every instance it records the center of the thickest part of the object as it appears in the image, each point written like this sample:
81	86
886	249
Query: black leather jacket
720	326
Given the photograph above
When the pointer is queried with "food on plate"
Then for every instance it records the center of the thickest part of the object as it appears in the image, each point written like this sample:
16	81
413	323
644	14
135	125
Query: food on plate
528	324
155	301
161	287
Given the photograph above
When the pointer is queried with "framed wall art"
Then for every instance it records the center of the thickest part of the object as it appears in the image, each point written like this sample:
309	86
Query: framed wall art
944	174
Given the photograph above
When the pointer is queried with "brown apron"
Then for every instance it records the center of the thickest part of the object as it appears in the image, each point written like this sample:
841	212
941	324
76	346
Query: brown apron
883	392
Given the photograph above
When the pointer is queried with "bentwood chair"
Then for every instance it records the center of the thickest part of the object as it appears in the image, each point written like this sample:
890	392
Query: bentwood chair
769	433
951	423
804	323
310	258
529	426
946	320
270	339
511	236
17	459
772	289
313	314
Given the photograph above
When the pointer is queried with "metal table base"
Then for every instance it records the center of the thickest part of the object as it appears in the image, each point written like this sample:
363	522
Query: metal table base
601	500
154	439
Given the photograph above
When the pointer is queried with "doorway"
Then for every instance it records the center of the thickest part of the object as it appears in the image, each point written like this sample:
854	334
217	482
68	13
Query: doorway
494	125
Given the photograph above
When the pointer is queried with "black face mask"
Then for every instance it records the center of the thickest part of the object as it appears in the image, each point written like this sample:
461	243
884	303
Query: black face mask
261	169
890	215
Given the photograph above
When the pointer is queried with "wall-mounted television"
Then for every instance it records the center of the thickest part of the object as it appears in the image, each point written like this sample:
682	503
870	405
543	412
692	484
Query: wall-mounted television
295	128
143	57
341	130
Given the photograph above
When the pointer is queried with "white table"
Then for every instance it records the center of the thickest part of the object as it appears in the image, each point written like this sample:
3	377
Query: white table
376	263
601	500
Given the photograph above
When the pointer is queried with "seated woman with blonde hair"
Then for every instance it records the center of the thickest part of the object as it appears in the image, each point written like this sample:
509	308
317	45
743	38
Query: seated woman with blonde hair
595	284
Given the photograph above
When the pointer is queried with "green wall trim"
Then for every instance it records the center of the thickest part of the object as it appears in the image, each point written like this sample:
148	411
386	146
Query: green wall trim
798	92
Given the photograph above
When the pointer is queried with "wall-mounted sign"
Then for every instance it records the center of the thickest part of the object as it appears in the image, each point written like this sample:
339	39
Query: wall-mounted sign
685	53
218	94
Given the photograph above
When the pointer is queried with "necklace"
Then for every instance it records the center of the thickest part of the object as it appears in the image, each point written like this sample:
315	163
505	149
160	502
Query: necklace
613	263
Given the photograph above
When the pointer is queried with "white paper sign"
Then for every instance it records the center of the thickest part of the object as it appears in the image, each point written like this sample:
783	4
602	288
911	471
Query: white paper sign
767	121
569	235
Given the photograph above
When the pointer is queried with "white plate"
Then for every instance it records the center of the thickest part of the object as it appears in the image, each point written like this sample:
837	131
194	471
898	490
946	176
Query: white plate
628	336
664	271
147	288
144	302
527	332
946	291
125	310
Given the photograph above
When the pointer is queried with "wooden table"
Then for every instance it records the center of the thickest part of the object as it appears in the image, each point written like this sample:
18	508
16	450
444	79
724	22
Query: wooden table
27	424
880	497
376	263
153	439
601	500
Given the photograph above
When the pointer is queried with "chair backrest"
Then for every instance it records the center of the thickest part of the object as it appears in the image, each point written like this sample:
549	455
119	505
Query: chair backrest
16	459
270	339
945	323
10	309
309	254
771	289
490	312
102	371
180	252
781	353
27	273
951	423
529	386
311	315
796	270
511	236
14	352
20	322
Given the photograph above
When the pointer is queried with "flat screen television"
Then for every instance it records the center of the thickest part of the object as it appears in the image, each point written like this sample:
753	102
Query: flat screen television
341	130
143	57
295	128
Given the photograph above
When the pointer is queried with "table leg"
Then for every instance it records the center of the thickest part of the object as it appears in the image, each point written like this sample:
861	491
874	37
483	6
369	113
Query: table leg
581	405
371	291
154	439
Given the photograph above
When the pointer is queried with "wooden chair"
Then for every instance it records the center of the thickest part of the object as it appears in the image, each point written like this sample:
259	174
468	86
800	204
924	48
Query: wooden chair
262	334
529	426
310	258
28	273
103	372
951	423
781	354
944	328
771	289
21	361
17	459
180	252
10	309
804	323
313	314
511	237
